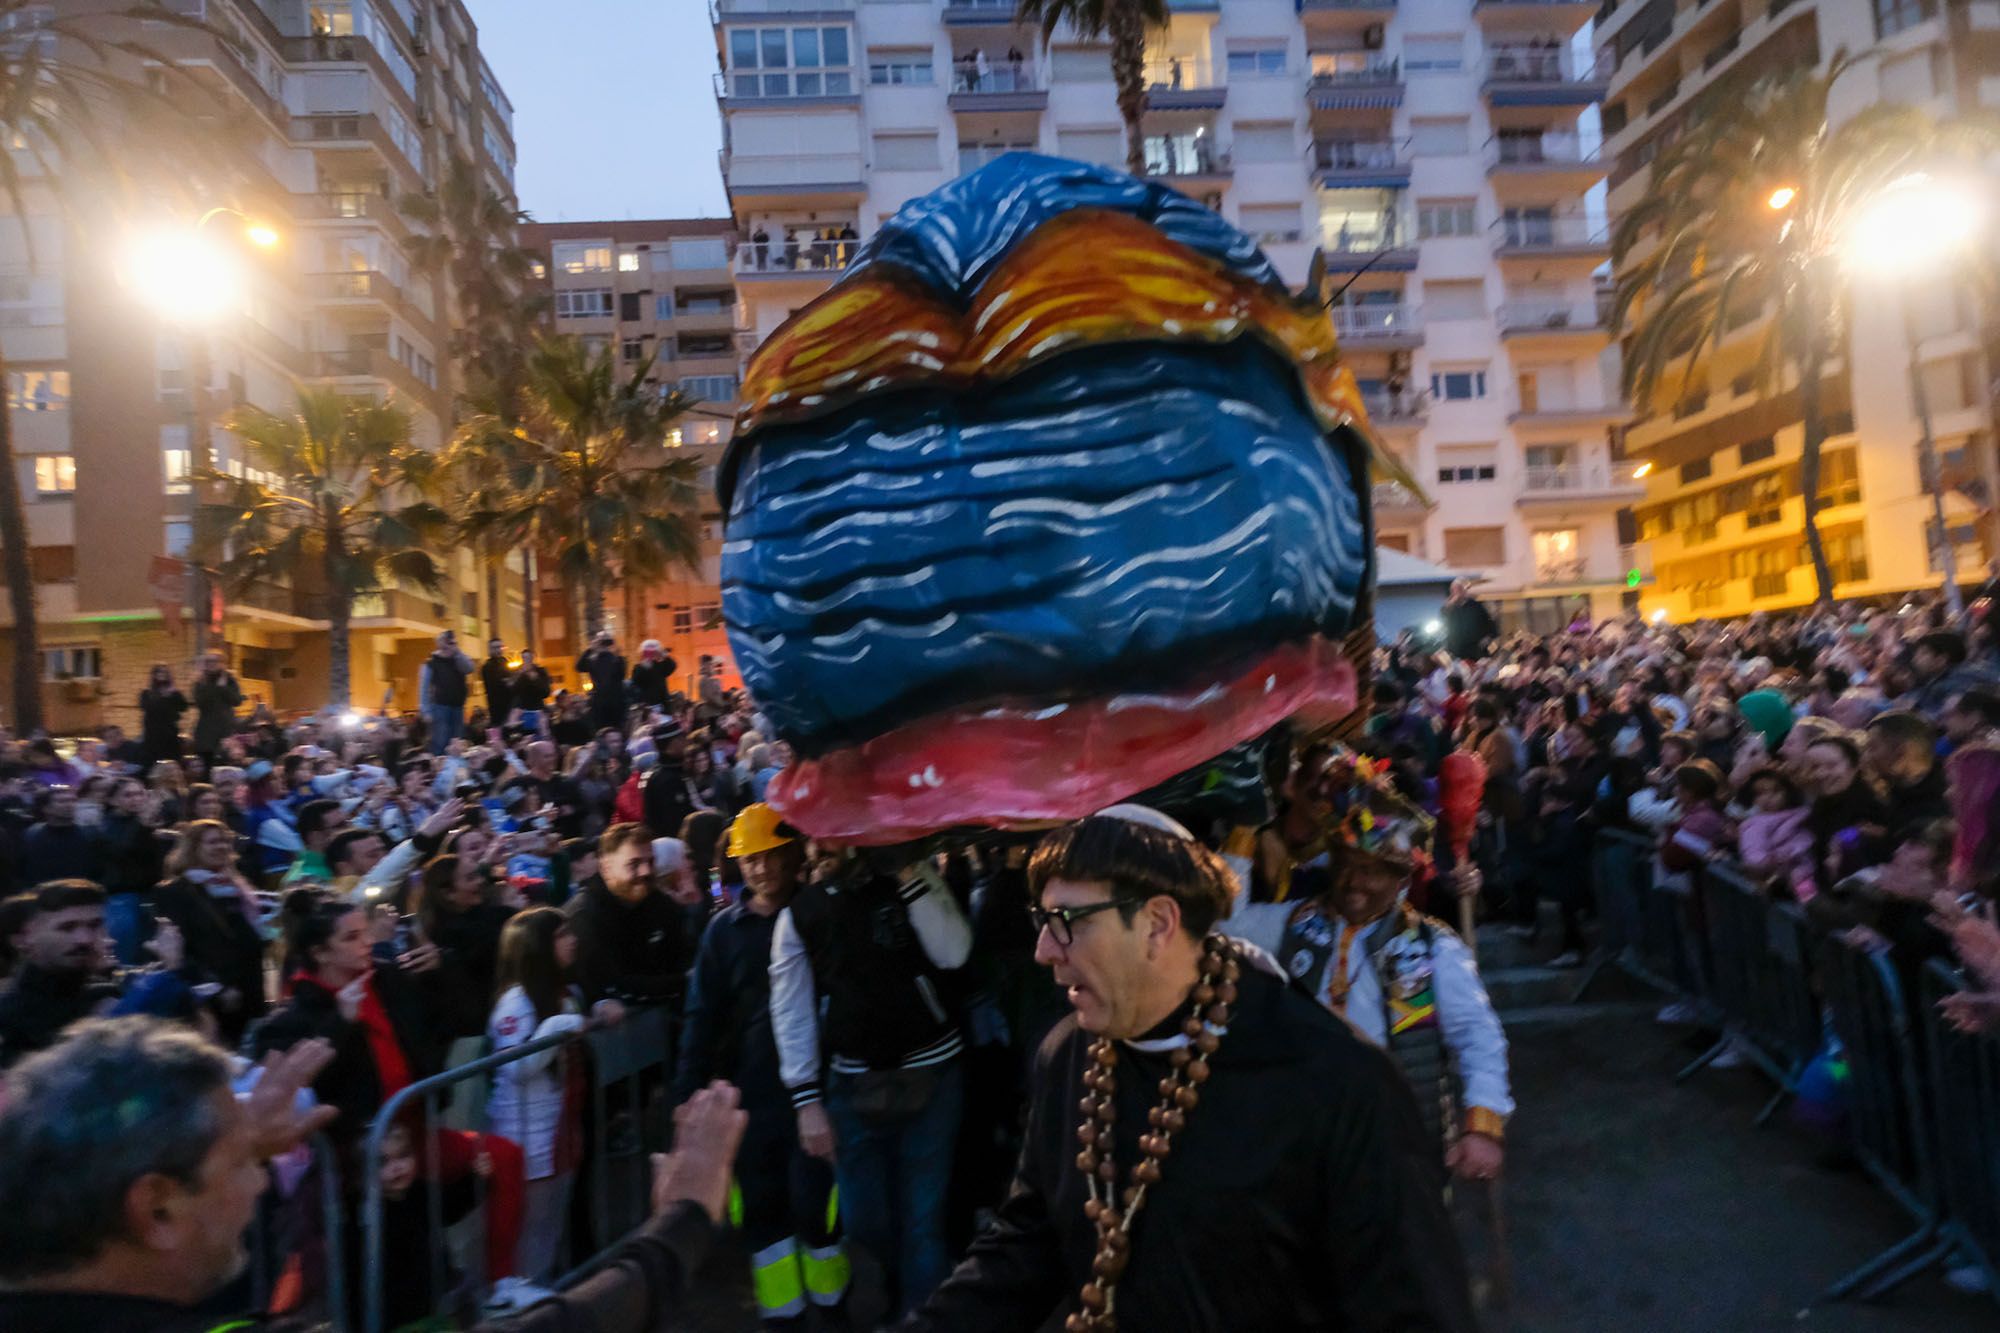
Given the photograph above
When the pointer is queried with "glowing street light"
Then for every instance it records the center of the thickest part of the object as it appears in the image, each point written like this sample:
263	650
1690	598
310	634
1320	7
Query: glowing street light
1781	198
1641	472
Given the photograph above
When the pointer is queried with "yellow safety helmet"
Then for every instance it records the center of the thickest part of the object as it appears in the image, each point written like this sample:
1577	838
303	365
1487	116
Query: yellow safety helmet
758	829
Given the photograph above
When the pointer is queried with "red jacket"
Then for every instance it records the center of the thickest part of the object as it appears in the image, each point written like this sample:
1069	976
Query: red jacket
630	805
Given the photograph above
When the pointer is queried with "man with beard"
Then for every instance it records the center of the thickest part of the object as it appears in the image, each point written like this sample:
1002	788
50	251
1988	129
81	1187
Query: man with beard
1243	1160
633	942
1404	980
60	976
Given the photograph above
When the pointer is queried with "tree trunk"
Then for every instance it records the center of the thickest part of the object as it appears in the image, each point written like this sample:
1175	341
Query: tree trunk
493	558
593	594
1814	423
1128	73
27	716
530	610
339	614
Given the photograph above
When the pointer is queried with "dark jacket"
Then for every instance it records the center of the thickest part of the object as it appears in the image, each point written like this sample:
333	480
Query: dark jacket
638	1290
36	1005
638	953
128	855
352	1081
650	681
727	1034
215	705
531	689
1912	807
469	951
667	800
607	684
498	681
160	724
1468	627
51	851
221	944
1302	1194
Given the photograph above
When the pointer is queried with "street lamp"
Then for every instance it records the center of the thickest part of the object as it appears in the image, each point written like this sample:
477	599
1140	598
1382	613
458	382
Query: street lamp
192	277
1913	226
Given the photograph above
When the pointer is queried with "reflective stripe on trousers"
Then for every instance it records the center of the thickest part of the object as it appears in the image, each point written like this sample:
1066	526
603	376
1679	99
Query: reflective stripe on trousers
780	1282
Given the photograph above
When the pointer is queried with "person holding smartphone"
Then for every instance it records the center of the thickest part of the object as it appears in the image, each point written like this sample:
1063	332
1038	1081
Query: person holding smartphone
442	690
604	666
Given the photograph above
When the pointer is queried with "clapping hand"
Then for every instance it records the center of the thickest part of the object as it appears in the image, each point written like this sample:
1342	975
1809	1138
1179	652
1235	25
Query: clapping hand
276	1123
168	946
707	1130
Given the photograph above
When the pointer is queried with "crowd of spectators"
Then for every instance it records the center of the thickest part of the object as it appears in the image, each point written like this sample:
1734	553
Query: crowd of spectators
511	862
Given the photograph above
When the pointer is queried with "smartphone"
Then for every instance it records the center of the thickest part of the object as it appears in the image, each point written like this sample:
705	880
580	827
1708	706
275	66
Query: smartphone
408	930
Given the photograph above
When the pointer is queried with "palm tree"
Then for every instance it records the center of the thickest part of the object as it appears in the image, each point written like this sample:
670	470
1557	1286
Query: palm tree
582	477
343	512
1749	207
91	138
1126	22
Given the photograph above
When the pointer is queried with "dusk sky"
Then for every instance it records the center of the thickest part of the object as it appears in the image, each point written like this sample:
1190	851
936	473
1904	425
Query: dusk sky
614	111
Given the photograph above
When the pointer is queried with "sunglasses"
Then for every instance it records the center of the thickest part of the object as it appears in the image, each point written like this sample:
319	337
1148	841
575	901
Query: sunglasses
1060	922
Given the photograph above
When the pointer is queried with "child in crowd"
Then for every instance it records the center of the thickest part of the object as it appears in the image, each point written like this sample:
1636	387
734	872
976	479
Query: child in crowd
413	1255
1773	839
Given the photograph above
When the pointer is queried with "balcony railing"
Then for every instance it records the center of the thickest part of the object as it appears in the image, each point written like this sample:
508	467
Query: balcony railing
786	84
1177	158
1528	63
974	156
359	204
786	256
1364	234
353	361
1178	73
1358	323
1550	150
1335	6
1359	155
718	9
1394	497
1000	78
743	170
1550	233
1557	572
1551	316
358	284
1406	408
1359	72
1575	479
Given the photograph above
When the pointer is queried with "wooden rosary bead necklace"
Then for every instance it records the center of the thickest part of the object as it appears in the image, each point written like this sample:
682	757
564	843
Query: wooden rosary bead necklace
1108	1209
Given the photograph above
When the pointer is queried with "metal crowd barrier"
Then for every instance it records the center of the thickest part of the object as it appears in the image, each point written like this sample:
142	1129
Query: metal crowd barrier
629	1066
1965	1088
295	1241
1888	1128
1759	961
1639	933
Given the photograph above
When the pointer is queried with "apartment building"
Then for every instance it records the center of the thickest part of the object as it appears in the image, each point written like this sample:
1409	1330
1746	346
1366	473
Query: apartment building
346	106
660	295
1441	155
1723	515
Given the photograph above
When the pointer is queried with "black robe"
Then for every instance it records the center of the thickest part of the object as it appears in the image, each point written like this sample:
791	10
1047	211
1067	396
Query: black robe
1303	1194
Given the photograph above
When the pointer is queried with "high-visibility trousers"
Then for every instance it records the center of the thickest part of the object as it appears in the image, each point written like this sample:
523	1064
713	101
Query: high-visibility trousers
785	1204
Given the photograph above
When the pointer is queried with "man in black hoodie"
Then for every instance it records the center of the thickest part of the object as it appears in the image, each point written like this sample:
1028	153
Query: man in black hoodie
634	944
59	978
1900	750
497	679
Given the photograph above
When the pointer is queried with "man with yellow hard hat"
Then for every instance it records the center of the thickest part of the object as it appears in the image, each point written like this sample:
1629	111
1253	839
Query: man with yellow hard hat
783	1200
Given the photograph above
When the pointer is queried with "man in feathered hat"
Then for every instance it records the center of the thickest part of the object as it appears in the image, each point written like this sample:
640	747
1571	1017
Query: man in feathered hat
1404	980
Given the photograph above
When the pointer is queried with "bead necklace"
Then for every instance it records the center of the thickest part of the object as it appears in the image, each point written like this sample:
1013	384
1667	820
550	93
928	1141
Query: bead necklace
1180	1090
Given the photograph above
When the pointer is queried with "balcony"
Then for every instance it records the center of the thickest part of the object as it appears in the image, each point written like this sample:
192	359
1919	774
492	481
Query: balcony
350	130
1406	411
1573	482
1550	416
1540	16
354	205
1340	163
1177	83
721	9
1341	15
1543	236
1549	319
1546	162
771	262
783	177
1385	241
979	13
1007	88
773	90
367	285
373	363
1377	326
1528	74
1394	502
1355	81
1187	163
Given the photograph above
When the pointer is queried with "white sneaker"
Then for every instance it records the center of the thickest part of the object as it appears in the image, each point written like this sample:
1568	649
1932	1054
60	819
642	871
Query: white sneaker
516	1293
1679	1012
1568	958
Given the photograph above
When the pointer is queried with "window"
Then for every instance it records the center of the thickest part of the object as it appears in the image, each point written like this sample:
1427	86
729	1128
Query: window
889	66
1265	141
698	252
705	344
1474	548
1445	217
584	303
663	306
1455	300
628	261
1270	224
789	62
538	270
1839	478
1756	451
1463	472
1699	470
1764	500
179	537
633	349
55	474
708	615
72	663
38	390
710	388
174	464
1080	64
1558	555
1442	136
1892	16
906	152
581	256
1458	386
1255	60
682	619
628	305
1434	55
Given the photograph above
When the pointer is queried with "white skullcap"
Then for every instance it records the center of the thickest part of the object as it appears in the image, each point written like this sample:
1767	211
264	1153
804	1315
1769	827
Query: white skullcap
670	856
1147	815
